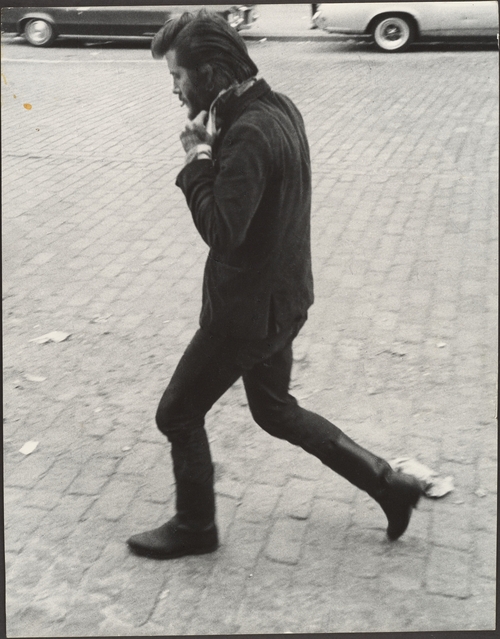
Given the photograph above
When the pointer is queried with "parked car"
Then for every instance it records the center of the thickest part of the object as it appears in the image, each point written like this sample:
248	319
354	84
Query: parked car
42	25
393	26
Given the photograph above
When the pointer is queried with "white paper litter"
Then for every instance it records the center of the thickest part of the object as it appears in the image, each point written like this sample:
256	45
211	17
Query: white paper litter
434	485
28	448
34	378
55	336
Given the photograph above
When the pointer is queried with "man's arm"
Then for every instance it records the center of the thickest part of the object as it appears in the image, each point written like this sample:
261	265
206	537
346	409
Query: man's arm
223	203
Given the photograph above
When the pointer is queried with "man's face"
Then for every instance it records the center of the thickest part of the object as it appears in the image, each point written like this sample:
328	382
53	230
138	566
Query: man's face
189	94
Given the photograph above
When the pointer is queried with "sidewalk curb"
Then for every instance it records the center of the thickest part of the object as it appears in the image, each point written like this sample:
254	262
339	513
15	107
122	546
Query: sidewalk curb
287	38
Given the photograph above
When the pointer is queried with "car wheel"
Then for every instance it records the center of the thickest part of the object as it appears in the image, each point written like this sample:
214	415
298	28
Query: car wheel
393	33
39	33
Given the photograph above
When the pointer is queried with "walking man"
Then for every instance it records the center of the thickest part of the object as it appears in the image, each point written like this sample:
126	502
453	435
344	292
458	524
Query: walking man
247	183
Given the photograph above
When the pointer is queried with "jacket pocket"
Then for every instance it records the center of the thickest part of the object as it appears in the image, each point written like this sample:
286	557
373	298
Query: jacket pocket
235	300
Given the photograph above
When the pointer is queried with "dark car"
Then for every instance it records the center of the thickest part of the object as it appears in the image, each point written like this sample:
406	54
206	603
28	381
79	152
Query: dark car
42	25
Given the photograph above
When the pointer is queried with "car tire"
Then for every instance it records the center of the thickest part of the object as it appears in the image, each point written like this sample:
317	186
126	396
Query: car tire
393	33
39	33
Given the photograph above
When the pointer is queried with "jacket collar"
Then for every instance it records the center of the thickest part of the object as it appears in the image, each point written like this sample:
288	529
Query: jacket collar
230	104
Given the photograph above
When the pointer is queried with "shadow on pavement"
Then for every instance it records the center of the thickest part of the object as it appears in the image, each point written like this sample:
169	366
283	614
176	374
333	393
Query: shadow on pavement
84	43
418	47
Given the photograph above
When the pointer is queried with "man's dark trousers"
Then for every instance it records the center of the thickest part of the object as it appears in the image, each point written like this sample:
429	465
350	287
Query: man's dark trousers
210	365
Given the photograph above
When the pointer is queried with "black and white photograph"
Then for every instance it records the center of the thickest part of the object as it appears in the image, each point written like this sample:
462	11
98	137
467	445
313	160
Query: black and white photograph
250	318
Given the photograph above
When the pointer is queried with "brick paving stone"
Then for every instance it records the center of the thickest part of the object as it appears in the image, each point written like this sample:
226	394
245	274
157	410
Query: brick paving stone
285	540
257	613
451	526
178	603
116	497
405	574
448	573
27	521
141	459
258	503
93	476
39	498
28	470
333	487
296	499
485	552
139	592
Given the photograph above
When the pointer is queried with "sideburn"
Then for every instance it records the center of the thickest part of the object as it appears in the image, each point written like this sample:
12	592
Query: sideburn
204	97
208	91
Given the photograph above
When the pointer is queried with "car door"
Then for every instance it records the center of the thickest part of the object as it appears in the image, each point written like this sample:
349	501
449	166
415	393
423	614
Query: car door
455	19
122	21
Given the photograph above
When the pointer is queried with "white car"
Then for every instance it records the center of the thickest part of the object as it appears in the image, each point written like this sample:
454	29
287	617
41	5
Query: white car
393	26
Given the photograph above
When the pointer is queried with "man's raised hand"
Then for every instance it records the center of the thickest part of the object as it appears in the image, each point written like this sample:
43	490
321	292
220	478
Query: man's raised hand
195	132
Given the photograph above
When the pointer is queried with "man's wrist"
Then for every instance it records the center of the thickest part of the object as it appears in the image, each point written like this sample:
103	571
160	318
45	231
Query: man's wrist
199	152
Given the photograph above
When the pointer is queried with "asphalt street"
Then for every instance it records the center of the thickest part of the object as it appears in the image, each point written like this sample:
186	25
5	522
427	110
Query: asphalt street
400	350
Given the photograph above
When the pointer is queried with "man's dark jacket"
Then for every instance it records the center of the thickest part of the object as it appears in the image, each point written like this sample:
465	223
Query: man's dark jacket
252	205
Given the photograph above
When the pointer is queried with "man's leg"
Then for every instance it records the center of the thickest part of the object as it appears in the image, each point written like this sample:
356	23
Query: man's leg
277	412
203	375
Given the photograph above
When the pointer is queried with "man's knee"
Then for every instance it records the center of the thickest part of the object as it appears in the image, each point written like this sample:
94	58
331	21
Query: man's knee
167	413
176	414
274	419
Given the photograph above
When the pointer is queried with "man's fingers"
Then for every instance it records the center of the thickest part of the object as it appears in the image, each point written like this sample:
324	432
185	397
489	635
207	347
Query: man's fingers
197	123
200	119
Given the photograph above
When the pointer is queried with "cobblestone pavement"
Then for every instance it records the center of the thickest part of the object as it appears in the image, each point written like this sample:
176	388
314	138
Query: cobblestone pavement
399	351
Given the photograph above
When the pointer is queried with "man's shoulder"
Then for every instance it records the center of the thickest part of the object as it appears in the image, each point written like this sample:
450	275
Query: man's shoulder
270	108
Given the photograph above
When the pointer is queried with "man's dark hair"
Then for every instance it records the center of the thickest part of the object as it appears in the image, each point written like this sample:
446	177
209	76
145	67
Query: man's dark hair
205	38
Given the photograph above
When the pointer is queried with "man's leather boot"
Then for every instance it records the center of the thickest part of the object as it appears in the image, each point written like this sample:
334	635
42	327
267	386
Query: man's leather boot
397	493
191	532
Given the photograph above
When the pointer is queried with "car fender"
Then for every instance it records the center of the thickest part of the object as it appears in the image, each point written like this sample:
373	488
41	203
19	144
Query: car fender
387	11
357	18
35	15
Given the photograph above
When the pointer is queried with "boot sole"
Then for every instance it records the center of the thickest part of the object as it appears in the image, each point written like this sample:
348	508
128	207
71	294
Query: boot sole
154	554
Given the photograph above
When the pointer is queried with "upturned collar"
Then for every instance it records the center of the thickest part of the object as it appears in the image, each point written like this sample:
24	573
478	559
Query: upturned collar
231	102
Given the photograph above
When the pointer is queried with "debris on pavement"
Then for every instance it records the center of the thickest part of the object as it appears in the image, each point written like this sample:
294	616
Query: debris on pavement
34	378
99	319
434	485
28	447
54	336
